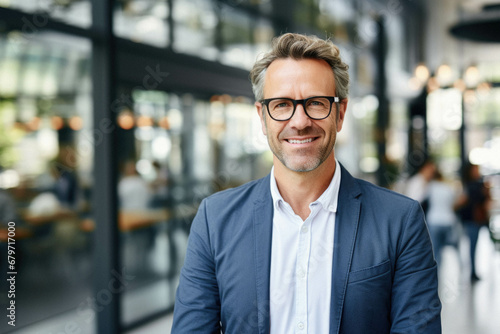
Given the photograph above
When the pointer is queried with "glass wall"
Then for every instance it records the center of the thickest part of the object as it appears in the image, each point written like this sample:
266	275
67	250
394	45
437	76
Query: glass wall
46	149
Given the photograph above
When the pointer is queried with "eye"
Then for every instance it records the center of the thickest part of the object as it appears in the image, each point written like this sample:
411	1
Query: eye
280	104
317	103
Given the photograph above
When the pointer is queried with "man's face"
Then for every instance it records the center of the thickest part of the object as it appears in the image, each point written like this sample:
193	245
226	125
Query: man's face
301	144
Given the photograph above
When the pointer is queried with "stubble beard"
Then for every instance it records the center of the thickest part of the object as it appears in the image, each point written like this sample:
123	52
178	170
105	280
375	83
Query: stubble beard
314	160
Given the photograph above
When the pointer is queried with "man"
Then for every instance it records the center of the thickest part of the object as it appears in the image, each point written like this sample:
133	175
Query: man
309	248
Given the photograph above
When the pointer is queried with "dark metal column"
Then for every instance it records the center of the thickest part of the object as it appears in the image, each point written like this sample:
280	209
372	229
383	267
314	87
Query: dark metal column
383	108
170	23
188	140
107	288
463	145
418	148
282	16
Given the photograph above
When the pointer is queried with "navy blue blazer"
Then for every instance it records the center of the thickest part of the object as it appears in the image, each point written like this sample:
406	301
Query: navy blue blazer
384	277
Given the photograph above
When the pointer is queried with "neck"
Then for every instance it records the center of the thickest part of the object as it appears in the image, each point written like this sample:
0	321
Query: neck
299	189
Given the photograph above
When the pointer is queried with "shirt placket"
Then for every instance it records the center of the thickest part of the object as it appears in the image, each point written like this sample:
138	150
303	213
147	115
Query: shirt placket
303	255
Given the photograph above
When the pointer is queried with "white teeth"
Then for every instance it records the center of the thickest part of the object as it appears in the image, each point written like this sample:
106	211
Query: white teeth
293	141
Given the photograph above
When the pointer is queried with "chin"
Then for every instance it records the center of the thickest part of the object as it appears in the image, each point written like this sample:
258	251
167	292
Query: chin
302	167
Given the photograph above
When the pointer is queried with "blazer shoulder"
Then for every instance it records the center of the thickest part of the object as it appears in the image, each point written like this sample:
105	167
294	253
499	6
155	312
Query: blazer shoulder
384	195
246	193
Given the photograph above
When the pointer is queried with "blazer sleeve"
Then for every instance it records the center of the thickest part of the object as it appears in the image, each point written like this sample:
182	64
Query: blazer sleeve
416	307
197	302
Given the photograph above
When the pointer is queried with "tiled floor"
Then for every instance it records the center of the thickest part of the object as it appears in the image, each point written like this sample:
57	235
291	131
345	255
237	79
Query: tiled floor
471	308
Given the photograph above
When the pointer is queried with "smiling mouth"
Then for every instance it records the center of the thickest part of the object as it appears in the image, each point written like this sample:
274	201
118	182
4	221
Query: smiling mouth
295	141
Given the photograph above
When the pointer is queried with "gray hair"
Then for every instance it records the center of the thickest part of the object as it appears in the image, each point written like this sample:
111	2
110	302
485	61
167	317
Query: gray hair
297	46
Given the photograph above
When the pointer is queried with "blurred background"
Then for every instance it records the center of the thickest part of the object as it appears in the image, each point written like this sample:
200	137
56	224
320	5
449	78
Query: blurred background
119	117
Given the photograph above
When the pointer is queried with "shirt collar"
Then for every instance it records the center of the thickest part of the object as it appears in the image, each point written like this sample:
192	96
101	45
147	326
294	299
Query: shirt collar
328	199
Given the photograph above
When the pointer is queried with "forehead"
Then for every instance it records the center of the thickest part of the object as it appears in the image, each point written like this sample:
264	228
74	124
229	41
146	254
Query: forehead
303	77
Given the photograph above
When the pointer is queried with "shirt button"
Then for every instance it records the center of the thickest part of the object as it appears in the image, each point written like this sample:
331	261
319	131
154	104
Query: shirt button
304	229
300	325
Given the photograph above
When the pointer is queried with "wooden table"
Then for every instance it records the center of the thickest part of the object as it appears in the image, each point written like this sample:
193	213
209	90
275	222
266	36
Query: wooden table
21	233
132	220
57	216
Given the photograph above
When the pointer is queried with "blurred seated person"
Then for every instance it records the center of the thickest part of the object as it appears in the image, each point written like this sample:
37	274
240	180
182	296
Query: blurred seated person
133	190
7	209
60	179
65	186
159	186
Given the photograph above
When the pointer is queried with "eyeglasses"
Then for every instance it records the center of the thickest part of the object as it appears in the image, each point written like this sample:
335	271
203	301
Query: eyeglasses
316	107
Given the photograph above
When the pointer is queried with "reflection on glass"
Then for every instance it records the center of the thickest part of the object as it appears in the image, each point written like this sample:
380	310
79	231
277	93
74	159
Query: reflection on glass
203	168
306	12
9	68
243	38
72	12
237	37
444	120
263	33
444	109
142	21
195	28
334	17
481	107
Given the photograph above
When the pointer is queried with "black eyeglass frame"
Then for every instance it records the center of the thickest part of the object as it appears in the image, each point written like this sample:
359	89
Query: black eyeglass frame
332	99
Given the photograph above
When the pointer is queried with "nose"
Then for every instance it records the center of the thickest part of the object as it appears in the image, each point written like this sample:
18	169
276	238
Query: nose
300	120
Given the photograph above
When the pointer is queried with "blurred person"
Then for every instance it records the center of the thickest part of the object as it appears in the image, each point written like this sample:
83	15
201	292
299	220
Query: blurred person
416	186
60	180
134	194
441	217
133	190
159	186
65	187
472	207
309	248
7	209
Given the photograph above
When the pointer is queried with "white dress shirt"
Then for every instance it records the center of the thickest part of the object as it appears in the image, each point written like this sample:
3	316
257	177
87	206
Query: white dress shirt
442	198
416	188
301	263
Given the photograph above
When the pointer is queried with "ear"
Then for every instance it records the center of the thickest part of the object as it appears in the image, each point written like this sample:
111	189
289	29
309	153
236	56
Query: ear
260	111
342	111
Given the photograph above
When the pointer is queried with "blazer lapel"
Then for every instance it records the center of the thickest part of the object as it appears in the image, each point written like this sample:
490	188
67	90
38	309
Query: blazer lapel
263	221
346	226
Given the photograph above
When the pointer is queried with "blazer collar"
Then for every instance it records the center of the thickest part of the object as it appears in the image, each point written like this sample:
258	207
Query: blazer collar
346	227
263	229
